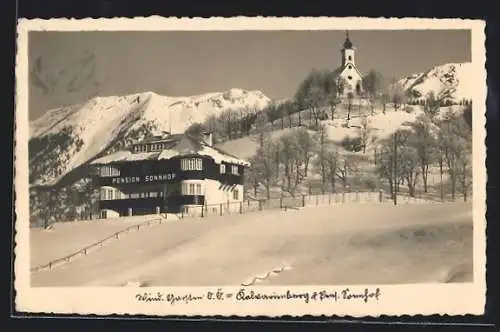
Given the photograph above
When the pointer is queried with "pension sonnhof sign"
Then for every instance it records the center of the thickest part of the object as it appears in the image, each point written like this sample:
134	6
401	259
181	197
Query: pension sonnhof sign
144	179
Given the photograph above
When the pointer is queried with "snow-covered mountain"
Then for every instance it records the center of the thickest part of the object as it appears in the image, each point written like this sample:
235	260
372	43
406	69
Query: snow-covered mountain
448	82
68	137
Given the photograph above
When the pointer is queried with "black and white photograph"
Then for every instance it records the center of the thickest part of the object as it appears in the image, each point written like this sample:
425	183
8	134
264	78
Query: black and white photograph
252	158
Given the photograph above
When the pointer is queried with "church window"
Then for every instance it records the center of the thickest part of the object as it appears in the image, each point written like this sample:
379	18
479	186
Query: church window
349	77
350	67
350	58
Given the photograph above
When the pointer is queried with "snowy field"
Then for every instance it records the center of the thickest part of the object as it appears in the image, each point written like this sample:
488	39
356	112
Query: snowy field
344	244
66	238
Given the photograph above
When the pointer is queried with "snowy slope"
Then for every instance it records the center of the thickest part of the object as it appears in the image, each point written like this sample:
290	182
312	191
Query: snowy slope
65	138
449	82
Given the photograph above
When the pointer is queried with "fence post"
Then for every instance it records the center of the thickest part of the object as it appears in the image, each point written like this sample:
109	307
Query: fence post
221	209
317	200
260	205
330	199
303	200
241	207
202	211
281	202
380	196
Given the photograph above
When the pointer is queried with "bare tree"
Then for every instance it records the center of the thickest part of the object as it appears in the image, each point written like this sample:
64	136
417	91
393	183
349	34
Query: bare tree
349	108
364	132
397	95
289	159
374	84
424	142
432	104
263	166
347	168
322	151
456	138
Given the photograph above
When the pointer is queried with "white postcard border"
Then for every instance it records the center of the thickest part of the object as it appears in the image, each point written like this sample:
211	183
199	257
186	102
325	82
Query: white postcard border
425	299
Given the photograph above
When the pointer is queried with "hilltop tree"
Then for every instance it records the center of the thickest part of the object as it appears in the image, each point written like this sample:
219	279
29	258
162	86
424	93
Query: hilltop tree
397	95
195	129
288	108
374	84
432	104
315	93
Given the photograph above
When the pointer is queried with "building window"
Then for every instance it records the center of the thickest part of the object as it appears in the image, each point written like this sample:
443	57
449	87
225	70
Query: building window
191	189
222	168
235	194
191	164
184	189
234	170
153	194
109	171
198	189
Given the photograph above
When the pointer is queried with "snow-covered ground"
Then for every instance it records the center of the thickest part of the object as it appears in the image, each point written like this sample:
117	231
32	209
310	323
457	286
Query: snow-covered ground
343	244
65	238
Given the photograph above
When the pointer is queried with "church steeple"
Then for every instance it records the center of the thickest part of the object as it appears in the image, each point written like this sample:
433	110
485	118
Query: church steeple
348	51
347	43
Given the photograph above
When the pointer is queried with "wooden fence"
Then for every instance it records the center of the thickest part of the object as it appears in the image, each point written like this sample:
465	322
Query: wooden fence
300	201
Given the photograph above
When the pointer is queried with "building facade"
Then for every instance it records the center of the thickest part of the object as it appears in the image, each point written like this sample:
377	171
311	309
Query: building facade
349	78
168	175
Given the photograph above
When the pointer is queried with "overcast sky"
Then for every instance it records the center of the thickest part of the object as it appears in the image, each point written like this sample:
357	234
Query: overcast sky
68	67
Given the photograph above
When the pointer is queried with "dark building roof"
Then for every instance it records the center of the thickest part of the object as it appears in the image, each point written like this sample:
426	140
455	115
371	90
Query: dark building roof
173	146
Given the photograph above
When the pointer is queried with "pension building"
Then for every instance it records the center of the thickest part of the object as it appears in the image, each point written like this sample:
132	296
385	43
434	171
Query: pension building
171	173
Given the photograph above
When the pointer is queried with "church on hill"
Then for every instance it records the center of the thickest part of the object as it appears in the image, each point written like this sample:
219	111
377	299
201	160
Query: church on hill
348	76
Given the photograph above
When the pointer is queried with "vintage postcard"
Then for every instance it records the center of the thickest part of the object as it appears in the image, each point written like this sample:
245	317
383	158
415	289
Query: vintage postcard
250	166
